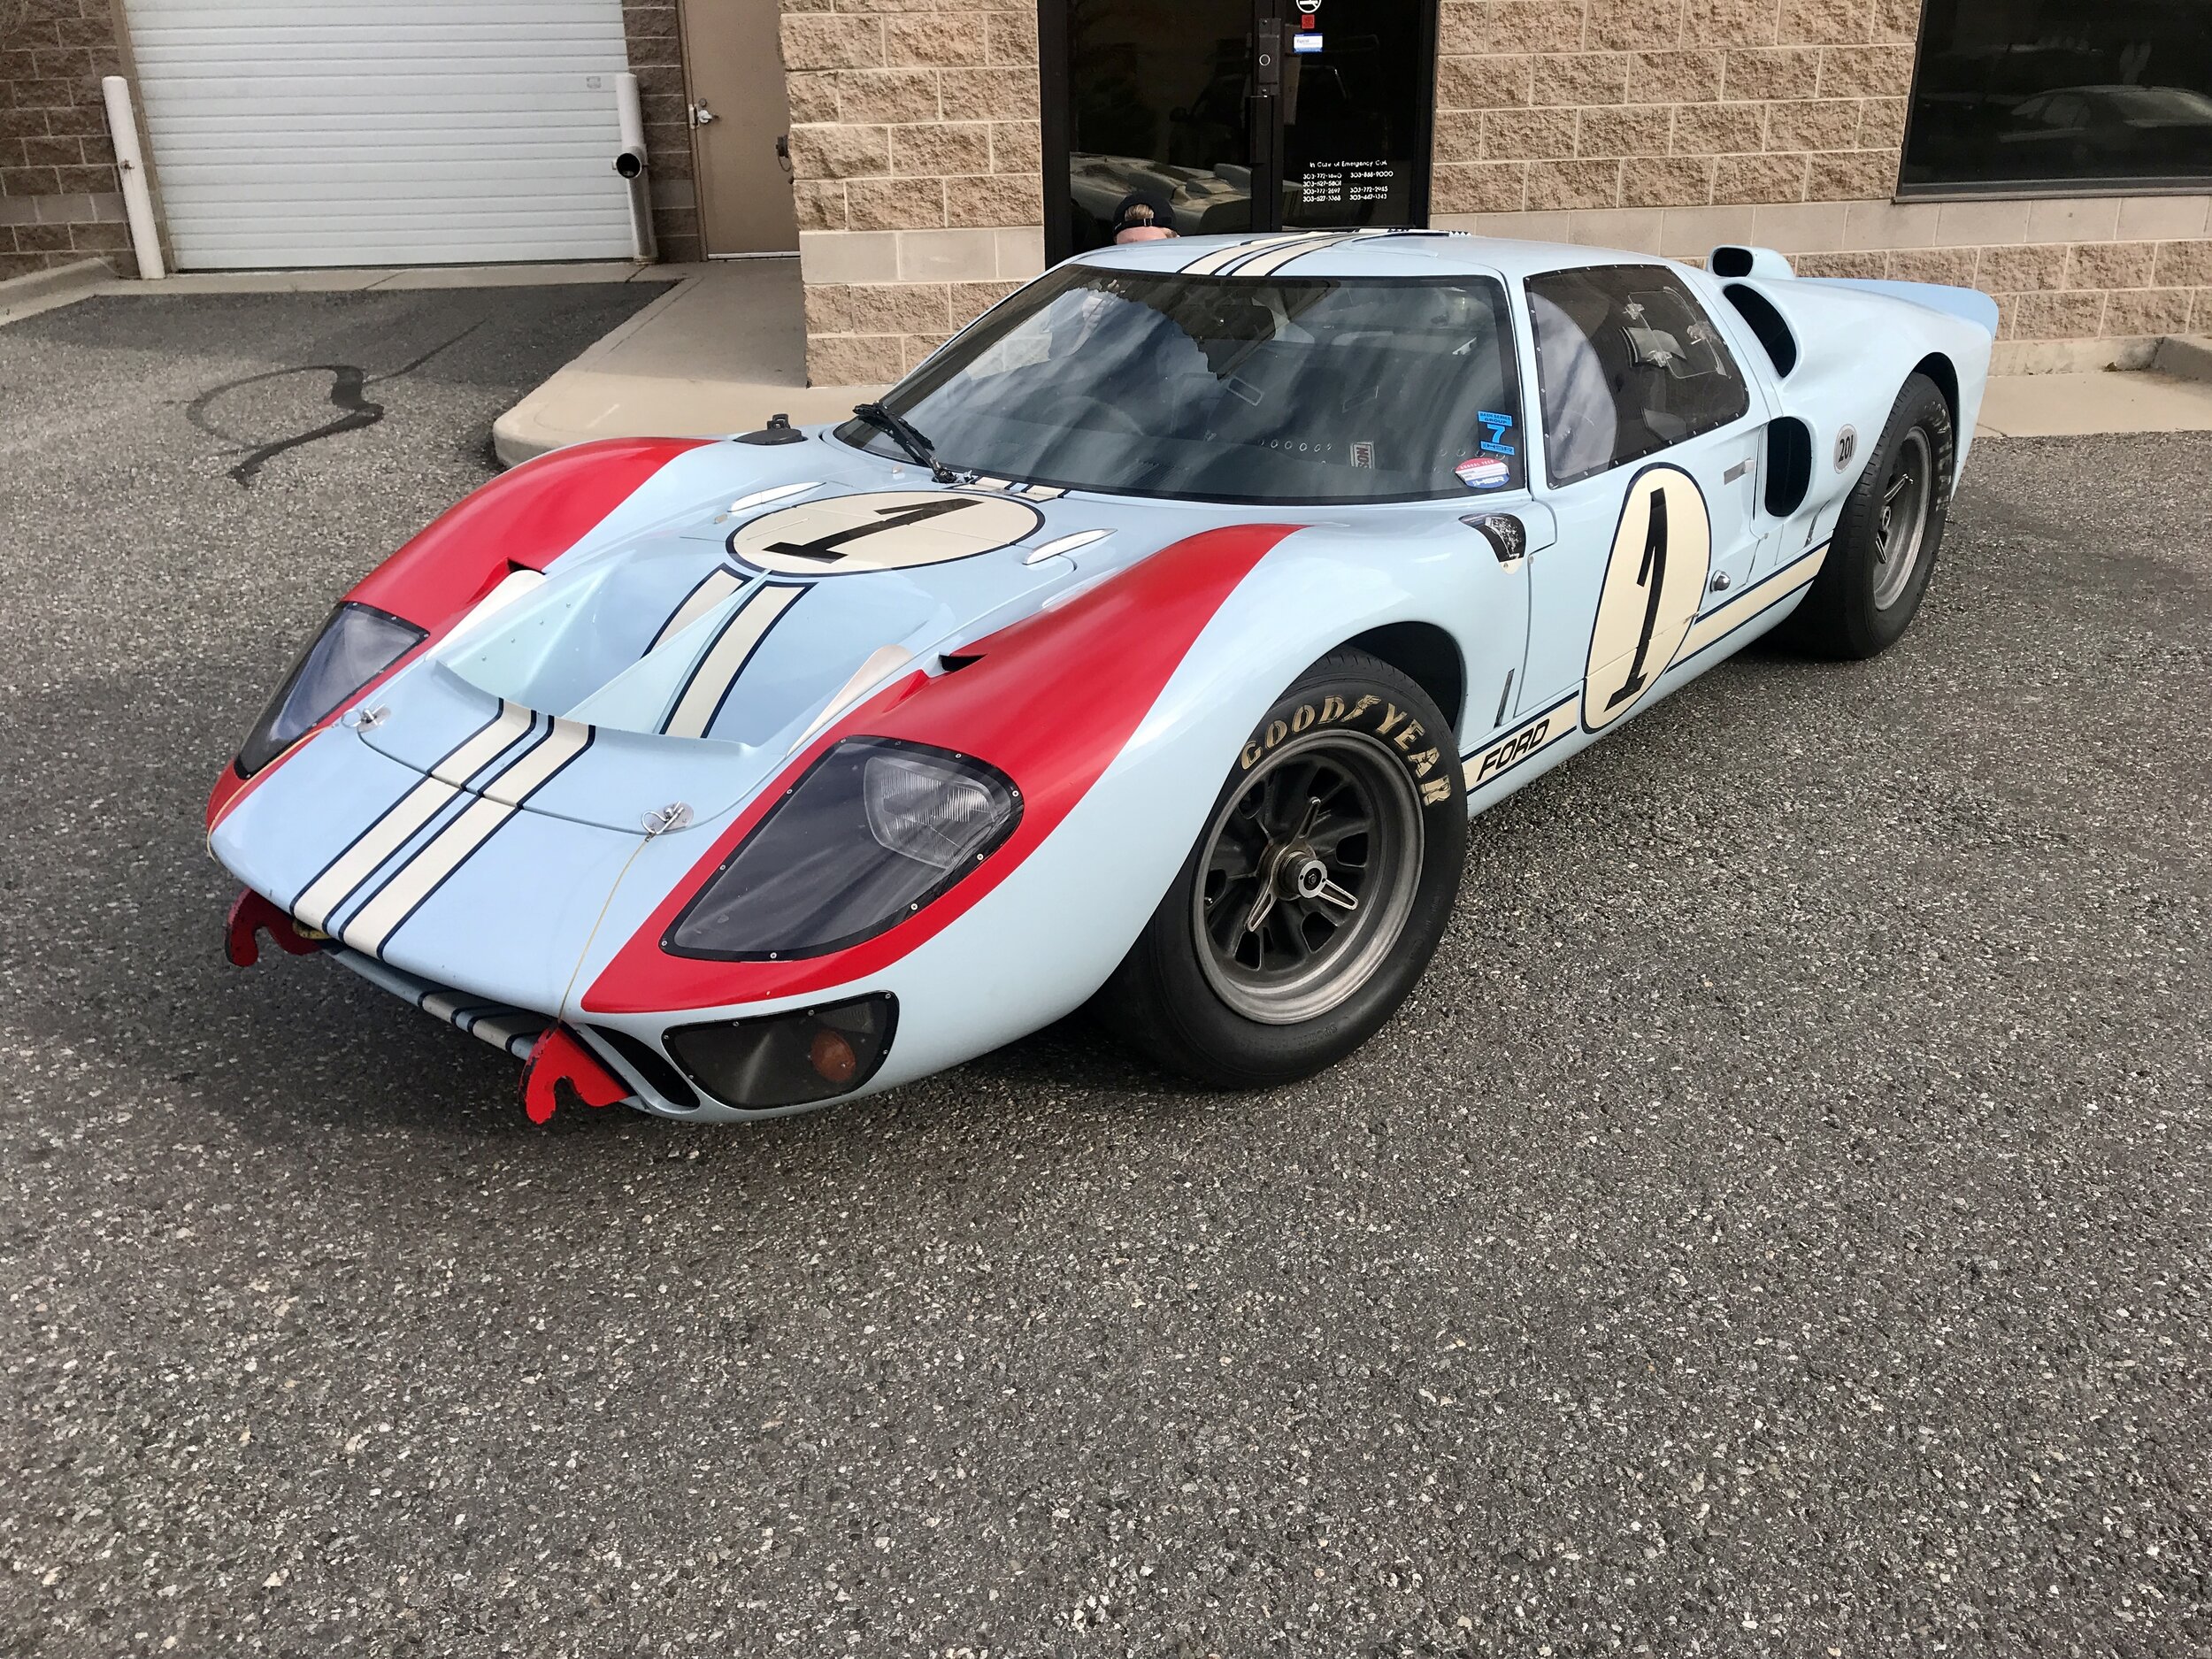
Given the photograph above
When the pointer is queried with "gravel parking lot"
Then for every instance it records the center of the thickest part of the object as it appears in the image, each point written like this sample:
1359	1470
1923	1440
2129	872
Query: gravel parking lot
1778	1225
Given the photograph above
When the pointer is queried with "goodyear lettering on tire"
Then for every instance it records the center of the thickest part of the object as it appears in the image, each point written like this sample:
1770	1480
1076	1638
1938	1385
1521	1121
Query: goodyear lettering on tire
1378	715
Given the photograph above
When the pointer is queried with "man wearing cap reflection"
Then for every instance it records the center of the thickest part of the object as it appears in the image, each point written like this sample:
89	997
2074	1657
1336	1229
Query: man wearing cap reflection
1143	216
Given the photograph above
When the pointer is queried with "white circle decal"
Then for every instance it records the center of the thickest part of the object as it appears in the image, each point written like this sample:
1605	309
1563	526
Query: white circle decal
881	530
1654	582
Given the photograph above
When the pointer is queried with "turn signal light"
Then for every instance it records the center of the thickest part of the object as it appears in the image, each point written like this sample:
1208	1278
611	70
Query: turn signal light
795	1058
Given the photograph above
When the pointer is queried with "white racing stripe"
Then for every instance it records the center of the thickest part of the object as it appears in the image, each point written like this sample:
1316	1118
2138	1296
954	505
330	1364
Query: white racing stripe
445	852
407	815
1755	601
724	659
1275	258
716	586
1213	263
1534	734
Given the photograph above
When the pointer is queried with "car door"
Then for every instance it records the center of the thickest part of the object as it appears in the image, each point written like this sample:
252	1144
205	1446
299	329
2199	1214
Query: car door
1650	442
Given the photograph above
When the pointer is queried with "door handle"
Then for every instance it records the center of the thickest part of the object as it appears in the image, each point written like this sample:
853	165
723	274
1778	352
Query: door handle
783	154
700	115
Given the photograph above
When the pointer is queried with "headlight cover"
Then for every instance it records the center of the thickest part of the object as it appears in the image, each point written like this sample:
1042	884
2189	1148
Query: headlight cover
356	645
870	833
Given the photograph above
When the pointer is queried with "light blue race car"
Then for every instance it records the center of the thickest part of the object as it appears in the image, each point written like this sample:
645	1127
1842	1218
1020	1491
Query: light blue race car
1149	646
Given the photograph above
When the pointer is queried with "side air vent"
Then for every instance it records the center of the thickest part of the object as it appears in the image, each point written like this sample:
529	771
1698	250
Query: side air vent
1766	322
1789	470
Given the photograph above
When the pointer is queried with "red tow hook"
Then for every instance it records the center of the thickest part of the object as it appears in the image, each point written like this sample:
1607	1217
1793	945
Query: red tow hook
249	913
559	1056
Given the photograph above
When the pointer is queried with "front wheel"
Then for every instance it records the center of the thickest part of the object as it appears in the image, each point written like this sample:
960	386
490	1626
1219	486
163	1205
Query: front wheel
1883	549
1316	892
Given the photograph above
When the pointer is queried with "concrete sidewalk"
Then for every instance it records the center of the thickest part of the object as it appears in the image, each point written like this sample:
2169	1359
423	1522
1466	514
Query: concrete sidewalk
720	352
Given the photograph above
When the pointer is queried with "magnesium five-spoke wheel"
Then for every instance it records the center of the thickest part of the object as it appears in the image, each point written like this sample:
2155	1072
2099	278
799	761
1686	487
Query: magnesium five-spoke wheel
1316	892
1883	549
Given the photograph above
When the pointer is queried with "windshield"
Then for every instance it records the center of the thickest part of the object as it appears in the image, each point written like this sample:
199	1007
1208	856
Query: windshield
1283	390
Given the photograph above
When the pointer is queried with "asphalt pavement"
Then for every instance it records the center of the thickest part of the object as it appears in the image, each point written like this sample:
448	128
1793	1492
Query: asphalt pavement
1779	1223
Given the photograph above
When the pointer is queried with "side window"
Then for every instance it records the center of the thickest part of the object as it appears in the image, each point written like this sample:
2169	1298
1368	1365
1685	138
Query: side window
1627	362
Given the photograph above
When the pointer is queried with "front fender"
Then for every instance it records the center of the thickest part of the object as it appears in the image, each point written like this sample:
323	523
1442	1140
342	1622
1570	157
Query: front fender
1181	656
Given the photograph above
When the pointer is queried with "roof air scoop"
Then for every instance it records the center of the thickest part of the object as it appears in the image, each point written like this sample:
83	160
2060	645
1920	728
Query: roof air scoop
1729	261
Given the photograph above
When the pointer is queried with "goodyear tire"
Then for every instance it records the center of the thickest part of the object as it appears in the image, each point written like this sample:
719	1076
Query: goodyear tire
1884	550
1316	892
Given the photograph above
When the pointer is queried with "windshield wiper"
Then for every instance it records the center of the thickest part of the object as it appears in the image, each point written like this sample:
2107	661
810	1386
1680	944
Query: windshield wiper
907	438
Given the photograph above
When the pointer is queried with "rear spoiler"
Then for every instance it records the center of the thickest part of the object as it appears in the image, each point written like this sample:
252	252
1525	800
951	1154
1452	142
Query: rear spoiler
1969	303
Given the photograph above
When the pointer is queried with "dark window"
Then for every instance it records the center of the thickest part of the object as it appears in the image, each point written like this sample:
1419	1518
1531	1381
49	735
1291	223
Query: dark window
1627	362
2013	93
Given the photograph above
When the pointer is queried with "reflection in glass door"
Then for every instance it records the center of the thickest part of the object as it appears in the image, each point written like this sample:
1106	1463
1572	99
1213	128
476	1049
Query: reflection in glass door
1355	111
1157	98
1242	114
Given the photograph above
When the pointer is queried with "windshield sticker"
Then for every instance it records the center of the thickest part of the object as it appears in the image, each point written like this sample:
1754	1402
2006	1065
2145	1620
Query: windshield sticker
1483	472
1363	452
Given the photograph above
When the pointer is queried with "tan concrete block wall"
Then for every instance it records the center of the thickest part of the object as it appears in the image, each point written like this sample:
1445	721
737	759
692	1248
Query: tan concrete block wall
59	197
2082	283
1591	120
915	136
1667	125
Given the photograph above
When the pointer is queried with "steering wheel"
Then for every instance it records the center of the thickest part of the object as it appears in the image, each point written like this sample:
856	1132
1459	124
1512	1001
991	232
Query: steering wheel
1100	413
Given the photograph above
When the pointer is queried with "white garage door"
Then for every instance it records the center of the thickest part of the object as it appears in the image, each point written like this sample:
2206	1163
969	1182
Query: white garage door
383	132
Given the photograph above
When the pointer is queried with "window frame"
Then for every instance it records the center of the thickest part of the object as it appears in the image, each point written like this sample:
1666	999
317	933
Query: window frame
1721	342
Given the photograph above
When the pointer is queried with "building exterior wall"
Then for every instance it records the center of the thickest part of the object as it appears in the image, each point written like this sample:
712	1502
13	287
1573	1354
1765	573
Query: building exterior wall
1670	128
914	146
1658	125
59	198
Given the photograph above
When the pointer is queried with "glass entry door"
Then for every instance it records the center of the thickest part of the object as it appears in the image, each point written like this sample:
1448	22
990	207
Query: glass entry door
1244	115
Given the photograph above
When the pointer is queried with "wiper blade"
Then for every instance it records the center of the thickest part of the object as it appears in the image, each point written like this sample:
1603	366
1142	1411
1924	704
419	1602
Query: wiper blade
908	437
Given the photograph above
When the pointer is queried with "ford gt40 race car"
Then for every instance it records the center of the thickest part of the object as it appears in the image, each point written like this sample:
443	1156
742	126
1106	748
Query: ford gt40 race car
1148	646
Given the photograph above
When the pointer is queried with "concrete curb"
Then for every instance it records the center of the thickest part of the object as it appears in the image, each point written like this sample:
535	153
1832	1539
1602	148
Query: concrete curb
2188	357
58	285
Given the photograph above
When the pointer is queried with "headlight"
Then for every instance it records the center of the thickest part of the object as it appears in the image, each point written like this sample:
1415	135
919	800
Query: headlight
874	831
356	645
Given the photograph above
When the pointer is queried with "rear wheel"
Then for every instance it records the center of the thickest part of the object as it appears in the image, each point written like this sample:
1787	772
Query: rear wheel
1316	892
1883	549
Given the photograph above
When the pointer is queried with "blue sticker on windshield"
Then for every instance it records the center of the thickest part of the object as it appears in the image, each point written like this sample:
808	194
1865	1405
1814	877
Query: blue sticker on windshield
1499	425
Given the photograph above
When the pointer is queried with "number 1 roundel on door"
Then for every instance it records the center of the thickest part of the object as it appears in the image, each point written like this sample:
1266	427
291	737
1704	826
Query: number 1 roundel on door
1653	581
881	530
